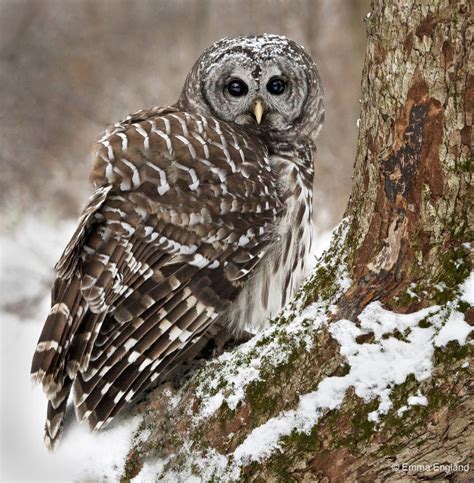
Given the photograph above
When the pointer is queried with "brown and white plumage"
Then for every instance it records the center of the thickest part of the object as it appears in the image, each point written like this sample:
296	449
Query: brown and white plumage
197	225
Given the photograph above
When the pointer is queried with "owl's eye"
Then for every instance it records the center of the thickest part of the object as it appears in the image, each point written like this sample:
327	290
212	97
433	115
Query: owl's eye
276	86
237	88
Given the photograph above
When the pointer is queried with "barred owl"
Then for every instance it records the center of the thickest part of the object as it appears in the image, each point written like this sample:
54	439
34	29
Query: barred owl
198	227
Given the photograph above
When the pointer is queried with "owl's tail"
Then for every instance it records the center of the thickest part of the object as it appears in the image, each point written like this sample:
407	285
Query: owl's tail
59	351
56	411
70	329
48	365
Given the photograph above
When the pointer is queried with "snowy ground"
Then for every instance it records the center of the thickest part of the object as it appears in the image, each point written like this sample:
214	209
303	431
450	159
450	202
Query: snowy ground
27	259
26	274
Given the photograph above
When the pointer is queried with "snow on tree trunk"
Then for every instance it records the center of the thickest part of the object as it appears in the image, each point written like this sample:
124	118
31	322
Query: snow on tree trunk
368	370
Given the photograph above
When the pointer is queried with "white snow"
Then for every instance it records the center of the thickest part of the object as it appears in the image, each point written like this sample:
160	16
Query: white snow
455	328
235	371
376	319
149	471
344	281
417	400
26	275
467	289
374	369
402	410
410	291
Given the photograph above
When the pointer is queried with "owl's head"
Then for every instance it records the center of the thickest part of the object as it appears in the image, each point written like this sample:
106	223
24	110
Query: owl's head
266	82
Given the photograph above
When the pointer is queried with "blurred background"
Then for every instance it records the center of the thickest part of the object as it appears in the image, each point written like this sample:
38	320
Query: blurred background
69	68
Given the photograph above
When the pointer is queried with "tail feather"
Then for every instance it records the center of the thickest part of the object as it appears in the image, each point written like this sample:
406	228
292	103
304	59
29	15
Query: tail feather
54	425
51	350
83	343
49	346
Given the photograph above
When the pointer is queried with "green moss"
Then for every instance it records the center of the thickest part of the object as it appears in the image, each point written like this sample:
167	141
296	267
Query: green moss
260	399
321	286
343	370
133	465
455	268
225	414
403	299
301	441
363	429
396	334
263	341
452	352
278	465
463	307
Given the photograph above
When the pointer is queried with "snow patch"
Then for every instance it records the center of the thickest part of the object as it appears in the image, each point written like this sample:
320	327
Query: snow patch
376	319
455	328
402	411
150	471
417	400
467	289
236	373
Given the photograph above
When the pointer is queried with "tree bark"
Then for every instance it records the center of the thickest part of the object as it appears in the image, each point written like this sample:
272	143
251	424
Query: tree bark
404	242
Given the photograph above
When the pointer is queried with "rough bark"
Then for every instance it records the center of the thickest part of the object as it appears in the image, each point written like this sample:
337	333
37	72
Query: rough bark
404	241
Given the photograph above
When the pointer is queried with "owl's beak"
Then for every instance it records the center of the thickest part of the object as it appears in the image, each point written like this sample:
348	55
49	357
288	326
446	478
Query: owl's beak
258	111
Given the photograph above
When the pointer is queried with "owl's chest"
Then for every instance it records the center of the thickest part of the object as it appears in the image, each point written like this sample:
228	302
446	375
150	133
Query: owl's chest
285	264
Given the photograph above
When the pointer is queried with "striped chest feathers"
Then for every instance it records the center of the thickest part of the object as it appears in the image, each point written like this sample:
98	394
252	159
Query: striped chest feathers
285	265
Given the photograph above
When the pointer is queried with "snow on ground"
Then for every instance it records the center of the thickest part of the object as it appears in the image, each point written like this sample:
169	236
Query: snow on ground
26	274
27	257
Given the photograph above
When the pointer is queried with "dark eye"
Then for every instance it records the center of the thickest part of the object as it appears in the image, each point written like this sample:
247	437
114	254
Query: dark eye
237	88
276	86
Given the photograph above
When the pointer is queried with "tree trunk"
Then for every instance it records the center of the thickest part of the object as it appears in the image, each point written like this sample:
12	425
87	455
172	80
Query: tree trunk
369	369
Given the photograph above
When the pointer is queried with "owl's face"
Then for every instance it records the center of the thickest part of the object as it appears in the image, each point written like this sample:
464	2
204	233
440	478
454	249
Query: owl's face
267	83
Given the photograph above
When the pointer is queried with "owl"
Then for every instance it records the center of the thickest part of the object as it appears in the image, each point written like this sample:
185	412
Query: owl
198	228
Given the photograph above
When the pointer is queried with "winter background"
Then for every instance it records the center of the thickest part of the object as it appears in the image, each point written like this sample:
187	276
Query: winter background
70	68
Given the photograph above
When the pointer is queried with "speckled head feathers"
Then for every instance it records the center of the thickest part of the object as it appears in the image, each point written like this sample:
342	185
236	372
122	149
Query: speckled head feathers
295	115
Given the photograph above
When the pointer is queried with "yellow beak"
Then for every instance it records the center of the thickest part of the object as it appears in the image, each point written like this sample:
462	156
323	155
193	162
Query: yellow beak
258	111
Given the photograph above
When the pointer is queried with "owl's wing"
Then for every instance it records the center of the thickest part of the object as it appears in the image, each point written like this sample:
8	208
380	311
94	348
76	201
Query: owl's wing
183	211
